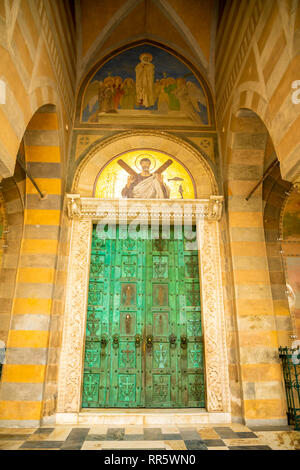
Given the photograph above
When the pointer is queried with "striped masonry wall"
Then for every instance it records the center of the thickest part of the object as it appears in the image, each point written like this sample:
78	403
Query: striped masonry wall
231	325
274	195
56	327
23	377
37	65
257	59
13	192
263	395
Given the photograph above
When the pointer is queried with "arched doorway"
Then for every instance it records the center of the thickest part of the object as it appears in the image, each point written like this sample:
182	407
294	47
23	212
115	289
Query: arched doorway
86	210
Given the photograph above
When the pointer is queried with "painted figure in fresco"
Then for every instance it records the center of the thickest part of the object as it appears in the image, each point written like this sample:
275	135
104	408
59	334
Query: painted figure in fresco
186	104
146	185
170	88
145	81
118	91
163	99
107	96
129	95
196	95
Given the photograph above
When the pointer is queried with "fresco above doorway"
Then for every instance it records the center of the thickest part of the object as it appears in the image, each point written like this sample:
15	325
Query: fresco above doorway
145	84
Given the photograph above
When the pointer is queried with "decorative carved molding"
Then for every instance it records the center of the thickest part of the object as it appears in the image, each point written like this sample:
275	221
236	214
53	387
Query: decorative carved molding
70	372
120	209
217	380
124	139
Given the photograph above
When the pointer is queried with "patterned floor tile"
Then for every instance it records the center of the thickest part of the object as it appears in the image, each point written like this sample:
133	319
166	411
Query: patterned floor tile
14	437
134	430
10	445
225	432
98	437
171	437
134	437
189	434
41	444
246	435
195	445
95	437
90	445
175	445
115	434
237	427
214	443
41	435
130	445
169	429
243	442
152	434
217	448
281	440
26	431
60	434
207	433
262	447
99	429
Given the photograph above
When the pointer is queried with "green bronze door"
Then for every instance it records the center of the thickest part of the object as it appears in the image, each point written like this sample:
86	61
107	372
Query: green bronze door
144	337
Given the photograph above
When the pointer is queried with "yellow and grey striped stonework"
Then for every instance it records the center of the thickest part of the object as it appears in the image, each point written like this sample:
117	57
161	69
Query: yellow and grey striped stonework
28	339
231	326
275	192
263	398
38	66
13	191
258	58
56	326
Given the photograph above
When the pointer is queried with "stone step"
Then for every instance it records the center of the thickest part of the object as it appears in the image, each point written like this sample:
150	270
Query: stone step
143	417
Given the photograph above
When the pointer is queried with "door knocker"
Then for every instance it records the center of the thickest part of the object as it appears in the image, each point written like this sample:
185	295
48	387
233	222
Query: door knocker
103	341
138	340
183	342
149	341
172	339
115	341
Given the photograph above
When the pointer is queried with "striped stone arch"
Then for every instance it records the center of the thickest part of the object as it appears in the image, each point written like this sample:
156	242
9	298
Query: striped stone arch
12	199
249	96
258	329
102	152
275	195
29	371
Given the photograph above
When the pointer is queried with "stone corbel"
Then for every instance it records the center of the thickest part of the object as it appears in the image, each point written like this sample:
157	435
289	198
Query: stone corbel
215	206
296	186
74	205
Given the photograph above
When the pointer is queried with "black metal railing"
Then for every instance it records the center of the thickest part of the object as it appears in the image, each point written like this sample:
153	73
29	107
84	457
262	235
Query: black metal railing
290	359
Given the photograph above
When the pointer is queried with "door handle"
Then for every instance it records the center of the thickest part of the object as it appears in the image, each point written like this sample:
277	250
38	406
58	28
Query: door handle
103	341
138	340
172	339
183	341
149	341
116	341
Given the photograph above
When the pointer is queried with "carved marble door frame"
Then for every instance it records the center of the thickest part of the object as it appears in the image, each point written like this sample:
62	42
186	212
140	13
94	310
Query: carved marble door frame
86	211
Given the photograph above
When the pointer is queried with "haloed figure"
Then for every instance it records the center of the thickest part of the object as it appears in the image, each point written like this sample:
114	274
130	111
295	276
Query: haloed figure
146	185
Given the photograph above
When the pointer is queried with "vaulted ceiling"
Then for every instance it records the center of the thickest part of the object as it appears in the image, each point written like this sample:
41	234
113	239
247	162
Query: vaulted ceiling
187	27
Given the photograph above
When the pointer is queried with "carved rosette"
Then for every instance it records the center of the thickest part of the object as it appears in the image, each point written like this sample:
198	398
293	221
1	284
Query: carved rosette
75	318
217	380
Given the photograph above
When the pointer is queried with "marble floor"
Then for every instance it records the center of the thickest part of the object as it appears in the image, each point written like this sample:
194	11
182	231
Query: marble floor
106	437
